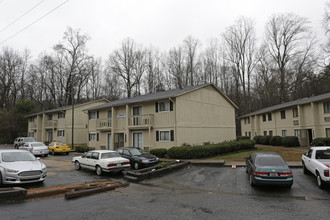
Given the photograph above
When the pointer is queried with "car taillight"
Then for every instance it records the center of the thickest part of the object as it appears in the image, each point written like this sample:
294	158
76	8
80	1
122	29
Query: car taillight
125	163
112	165
260	173
326	173
286	174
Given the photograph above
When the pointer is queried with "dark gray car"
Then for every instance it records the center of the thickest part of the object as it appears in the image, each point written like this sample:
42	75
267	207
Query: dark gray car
138	157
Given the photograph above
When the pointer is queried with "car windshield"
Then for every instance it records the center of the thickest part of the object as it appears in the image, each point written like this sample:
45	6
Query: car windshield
269	161
322	154
29	139
17	156
109	155
137	151
38	145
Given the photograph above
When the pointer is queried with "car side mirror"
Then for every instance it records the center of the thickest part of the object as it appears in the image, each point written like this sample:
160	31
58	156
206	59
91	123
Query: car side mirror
38	158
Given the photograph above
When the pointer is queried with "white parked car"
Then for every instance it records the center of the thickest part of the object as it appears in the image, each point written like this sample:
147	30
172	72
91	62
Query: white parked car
36	148
20	166
101	161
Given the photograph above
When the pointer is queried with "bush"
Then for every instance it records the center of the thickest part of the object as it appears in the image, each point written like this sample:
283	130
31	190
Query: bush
159	152
242	138
290	141
81	148
265	140
275	141
189	152
257	139
321	142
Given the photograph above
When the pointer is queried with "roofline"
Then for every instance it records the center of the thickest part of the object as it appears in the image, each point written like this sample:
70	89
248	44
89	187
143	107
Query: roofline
66	107
289	104
169	97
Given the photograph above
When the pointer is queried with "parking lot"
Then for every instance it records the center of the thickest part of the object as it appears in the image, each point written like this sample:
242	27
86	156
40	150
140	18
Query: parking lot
197	192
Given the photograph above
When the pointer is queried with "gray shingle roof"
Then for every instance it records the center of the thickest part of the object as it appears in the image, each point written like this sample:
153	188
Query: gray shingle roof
289	104
155	96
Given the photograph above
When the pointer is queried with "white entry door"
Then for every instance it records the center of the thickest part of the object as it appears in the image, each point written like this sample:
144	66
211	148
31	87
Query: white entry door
109	141
138	139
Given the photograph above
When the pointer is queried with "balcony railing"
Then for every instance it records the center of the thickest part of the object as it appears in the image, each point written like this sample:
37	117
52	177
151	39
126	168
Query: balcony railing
33	125
140	121
104	124
51	124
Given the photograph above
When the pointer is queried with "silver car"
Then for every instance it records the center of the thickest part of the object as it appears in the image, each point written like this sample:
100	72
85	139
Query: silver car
20	166
37	148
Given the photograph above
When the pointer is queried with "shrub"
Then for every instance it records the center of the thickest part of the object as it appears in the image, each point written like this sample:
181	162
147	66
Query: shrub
159	152
275	141
81	148
189	152
257	139
265	140
321	142
163	164
290	141
242	138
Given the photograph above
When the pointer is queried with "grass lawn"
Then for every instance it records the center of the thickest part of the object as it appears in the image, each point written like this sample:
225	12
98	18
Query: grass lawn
288	154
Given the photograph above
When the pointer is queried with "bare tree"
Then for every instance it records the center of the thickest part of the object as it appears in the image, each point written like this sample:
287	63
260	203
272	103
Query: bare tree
190	46
286	35
240	51
72	52
127	62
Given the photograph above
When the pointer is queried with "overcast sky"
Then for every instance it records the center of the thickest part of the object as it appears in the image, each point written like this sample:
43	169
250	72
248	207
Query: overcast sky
161	23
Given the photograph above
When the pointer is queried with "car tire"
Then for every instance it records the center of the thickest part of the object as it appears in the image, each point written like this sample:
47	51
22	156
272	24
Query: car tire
53	152
98	170
136	165
305	170
0	179
46	155
67	153
320	182
251	180
77	165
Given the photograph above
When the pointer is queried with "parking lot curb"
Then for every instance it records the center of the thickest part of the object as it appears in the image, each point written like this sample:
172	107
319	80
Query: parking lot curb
12	193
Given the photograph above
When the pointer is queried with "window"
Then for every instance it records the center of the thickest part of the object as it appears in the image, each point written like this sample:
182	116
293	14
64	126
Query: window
31	119
297	133
137	110
50	117
109	113
246	134
165	135
283	133
93	136
31	134
269	116
326	107
270	133
88	154
164	106
245	120
248	120
61	115
327	132
93	115
295	112
283	114
249	133
95	156
264	117
60	133
265	133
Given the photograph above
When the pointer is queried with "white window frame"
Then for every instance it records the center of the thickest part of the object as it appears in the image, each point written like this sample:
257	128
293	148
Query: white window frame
93	137
169	106
169	136
60	133
297	133
61	115
326	107
327	131
93	115
284	133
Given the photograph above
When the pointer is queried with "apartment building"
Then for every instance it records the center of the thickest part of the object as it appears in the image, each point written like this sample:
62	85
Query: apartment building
192	115
306	118
56	124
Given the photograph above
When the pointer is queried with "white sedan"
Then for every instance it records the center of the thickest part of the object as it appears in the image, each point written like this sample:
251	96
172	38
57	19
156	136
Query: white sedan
101	161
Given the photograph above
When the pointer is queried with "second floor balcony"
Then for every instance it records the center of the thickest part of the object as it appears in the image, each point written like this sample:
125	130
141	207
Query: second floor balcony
51	124
140	121
104	124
